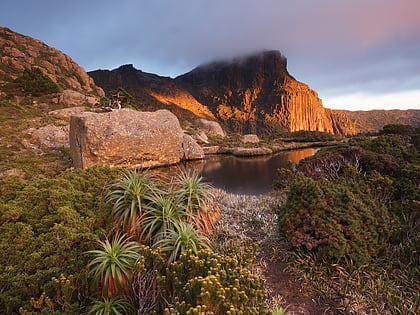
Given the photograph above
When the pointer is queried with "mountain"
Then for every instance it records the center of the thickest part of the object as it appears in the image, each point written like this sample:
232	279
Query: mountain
257	94
18	52
374	120
253	94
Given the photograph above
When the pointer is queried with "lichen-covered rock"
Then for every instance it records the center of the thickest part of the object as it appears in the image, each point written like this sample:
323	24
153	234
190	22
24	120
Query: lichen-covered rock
250	138
128	138
74	98
211	128
215	149
192	151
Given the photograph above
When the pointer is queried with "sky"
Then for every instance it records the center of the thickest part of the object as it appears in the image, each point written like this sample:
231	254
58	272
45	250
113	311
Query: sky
357	54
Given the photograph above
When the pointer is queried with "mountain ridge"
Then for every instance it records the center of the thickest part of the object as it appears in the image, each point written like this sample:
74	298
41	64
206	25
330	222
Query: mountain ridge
249	94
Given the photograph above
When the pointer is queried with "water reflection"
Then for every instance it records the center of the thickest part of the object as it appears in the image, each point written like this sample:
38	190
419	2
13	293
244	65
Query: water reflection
242	175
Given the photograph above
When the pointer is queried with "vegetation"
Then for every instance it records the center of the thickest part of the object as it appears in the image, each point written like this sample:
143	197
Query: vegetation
165	264
352	218
168	265
116	99
336	220
34	82
102	241
50	222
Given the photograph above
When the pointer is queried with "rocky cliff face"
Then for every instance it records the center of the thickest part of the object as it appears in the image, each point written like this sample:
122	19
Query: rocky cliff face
256	94
374	120
18	51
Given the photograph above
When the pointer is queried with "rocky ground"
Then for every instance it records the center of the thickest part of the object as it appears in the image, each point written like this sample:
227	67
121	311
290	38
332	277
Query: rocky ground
255	217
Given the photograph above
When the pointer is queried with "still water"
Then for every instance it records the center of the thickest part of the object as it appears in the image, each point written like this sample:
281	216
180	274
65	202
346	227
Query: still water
244	175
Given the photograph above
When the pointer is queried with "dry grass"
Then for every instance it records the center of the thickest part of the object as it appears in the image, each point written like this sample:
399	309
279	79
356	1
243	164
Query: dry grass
245	216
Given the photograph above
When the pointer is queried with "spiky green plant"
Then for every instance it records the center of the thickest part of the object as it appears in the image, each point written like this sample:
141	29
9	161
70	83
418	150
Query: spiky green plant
113	264
161	217
112	306
182	238
197	198
129	195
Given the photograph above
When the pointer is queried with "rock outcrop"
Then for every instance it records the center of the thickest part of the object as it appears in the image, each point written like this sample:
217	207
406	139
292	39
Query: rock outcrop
129	138
18	51
256	94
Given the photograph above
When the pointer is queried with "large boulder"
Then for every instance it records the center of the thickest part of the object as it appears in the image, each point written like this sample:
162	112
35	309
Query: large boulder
211	128
48	137
74	98
129	138
250	138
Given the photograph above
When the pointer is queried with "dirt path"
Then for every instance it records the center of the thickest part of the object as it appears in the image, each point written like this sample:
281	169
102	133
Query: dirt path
255	217
285	289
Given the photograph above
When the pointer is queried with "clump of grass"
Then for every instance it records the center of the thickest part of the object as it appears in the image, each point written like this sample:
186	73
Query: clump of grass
246	216
367	289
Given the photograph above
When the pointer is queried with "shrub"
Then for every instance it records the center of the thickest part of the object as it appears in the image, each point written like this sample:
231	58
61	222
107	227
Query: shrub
214	284
399	129
50	222
334	220
34	82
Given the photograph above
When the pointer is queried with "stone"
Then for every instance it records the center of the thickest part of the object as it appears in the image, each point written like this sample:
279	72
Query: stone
72	98
200	137
68	112
192	151
49	137
211	128
215	149
129	138
251	151
250	138
13	172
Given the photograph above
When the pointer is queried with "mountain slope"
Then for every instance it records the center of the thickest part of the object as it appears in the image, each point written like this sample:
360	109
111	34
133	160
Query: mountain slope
18	52
374	120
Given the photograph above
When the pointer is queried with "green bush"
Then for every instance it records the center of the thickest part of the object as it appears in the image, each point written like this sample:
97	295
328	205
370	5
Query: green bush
34	82
45	226
336	221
